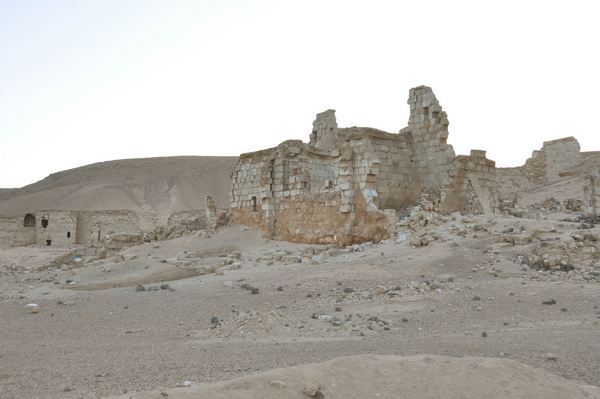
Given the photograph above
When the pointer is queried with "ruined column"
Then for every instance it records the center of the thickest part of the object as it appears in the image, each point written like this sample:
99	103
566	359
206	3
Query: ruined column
211	214
591	193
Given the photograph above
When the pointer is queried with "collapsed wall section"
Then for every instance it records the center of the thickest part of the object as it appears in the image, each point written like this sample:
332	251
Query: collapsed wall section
190	220
557	159
472	188
552	161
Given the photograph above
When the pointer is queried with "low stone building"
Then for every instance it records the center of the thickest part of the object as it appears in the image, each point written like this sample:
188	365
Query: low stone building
347	185
65	228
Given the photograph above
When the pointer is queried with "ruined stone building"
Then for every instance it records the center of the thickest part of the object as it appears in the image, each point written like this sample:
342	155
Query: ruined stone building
64	228
348	184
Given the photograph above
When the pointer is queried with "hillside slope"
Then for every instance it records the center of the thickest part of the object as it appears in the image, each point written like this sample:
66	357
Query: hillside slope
153	187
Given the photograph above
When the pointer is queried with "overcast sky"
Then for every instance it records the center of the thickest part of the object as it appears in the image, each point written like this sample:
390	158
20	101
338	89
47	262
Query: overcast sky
88	81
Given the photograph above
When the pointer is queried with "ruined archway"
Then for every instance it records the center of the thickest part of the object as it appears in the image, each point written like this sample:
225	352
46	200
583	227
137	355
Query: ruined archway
29	220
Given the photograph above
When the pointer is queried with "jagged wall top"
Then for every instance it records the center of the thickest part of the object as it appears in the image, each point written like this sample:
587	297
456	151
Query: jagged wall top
426	114
324	132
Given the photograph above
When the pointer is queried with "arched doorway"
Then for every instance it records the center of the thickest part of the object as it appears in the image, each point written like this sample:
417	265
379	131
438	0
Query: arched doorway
29	220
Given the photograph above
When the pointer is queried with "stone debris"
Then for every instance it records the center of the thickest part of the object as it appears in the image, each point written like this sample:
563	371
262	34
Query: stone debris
32	307
277	384
311	390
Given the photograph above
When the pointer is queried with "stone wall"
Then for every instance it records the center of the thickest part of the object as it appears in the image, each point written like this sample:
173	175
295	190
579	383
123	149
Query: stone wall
13	233
191	220
556	159
347	184
324	134
472	189
381	167
428	125
591	201
56	227
93	227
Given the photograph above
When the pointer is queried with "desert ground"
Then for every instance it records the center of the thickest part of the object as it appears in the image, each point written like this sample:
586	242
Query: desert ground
451	307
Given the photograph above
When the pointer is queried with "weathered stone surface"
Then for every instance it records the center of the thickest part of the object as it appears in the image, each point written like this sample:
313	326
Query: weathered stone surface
346	185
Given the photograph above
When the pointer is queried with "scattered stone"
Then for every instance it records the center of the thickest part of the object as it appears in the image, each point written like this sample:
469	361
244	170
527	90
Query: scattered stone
563	309
215	320
551	357
187	383
32	307
310	390
280	288
348	290
139	288
476	298
338	309
549	302
254	291
484	334
277	384
164	286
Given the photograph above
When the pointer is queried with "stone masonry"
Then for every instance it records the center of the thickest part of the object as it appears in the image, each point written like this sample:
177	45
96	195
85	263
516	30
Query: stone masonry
348	185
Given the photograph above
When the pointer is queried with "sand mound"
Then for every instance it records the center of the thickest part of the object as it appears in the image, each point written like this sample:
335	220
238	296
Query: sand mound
370	376
153	187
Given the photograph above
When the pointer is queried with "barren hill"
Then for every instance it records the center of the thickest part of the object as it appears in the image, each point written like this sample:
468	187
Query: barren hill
154	187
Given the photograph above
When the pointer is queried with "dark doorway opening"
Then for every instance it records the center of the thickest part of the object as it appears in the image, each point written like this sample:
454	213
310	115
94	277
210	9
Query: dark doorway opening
48	242
29	220
44	223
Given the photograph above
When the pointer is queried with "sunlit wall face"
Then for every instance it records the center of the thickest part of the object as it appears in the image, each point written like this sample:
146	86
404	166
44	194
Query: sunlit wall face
82	82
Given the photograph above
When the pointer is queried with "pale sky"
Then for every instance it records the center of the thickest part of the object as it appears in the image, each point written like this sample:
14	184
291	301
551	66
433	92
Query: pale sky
85	81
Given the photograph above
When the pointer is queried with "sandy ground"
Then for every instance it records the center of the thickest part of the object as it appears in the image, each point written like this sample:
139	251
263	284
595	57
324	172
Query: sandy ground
98	334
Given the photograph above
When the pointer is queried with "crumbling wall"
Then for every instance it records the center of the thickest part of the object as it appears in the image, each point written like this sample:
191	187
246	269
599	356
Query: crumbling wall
472	190
324	134
93	227
215	218
554	161
57	228
346	184
302	193
191	220
432	156
561	155
382	168
591	201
